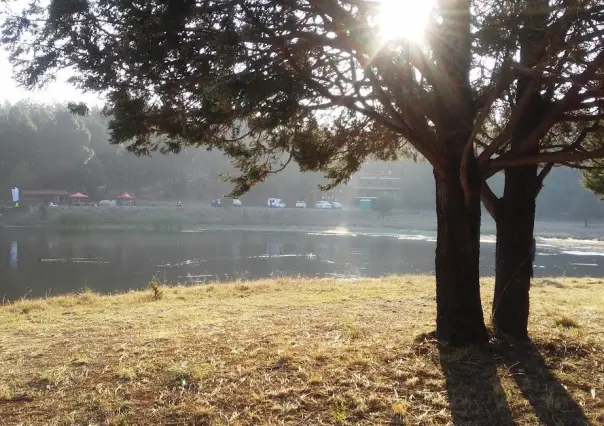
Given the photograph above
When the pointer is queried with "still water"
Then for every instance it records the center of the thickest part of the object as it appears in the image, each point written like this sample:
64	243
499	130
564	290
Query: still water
35	263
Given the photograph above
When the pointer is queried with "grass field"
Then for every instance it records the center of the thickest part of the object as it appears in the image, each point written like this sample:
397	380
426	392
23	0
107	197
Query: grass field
296	352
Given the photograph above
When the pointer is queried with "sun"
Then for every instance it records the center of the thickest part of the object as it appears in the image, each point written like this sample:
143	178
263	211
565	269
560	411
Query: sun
404	19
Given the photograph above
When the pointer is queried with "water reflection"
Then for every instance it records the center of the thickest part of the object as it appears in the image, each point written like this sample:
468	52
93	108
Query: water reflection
44	262
14	254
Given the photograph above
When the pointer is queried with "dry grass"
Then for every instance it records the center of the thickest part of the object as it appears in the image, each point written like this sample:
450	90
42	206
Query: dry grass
295	352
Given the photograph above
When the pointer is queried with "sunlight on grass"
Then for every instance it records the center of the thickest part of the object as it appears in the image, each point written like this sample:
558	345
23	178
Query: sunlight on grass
291	351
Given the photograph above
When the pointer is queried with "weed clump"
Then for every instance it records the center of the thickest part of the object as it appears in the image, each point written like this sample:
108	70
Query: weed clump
399	411
315	379
156	289
566	322
340	413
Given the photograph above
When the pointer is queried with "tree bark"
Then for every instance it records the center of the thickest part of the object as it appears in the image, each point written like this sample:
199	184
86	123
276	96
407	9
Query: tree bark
514	251
460	319
515	212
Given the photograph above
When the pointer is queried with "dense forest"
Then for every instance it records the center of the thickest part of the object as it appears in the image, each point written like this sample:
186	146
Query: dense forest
47	147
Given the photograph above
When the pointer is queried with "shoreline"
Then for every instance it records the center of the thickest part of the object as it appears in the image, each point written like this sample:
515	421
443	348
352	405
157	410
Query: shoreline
336	231
164	219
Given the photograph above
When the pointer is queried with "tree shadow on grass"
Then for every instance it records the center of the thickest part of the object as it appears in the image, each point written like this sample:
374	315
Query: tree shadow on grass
549	399
476	396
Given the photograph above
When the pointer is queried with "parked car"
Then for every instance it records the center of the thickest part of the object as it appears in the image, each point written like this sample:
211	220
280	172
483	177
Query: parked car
237	203
216	203
276	203
336	205
300	204
322	205
112	203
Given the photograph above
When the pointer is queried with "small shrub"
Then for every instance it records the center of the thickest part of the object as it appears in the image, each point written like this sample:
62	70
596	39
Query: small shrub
399	410
340	413
48	379
187	374
242	288
566	322
85	295
352	331
155	287
315	379
126	373
80	360
5	393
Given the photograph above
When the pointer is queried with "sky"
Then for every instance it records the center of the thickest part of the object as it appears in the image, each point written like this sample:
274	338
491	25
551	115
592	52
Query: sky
58	91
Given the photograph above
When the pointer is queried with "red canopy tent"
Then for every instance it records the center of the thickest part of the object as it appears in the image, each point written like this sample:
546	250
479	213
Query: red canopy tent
126	196
78	195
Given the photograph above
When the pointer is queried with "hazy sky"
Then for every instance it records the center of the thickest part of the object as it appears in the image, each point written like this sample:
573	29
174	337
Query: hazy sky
55	92
58	91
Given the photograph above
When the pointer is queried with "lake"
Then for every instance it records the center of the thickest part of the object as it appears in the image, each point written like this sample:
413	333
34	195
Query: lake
39	262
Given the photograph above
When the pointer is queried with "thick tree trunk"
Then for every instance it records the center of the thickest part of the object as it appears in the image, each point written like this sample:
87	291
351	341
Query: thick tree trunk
460	318
514	251
515	212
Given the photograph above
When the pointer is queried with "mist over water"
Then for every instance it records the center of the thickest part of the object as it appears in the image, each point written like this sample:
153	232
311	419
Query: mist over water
36	262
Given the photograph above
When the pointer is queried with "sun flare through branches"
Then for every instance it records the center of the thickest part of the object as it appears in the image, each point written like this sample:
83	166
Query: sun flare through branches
404	19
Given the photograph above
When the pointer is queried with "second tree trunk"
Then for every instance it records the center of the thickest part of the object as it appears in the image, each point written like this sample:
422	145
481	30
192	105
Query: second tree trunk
514	252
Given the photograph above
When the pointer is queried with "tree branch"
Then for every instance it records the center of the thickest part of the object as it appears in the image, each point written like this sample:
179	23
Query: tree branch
542	175
503	81
489	199
498	164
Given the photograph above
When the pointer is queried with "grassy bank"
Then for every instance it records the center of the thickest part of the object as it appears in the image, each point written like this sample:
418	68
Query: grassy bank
195	217
191	217
295	352
79	221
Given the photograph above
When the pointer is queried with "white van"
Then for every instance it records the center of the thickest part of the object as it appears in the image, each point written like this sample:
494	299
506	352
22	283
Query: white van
322	205
276	203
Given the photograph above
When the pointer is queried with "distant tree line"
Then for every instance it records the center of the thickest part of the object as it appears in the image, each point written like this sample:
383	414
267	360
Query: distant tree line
46	147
